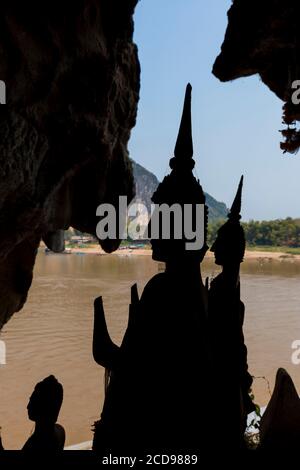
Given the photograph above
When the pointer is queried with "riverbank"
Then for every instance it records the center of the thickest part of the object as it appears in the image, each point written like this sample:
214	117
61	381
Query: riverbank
253	253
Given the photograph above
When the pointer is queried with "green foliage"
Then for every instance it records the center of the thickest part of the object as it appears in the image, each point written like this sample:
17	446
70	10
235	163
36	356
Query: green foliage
281	232
266	234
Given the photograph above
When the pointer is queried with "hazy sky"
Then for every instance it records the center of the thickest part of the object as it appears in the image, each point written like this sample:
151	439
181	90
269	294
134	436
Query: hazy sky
235	125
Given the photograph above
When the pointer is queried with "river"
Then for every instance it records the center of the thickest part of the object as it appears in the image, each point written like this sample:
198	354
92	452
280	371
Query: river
53	332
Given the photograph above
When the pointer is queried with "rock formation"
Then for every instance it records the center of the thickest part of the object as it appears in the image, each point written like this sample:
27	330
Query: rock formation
72	81
263	38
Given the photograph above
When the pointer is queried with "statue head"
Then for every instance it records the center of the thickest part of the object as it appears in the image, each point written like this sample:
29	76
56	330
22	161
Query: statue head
46	400
229	246
181	187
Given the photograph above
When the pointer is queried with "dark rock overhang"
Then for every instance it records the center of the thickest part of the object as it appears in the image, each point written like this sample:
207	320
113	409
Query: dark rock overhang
72	81
263	37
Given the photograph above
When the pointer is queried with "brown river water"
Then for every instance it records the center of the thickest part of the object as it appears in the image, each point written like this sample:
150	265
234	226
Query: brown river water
53	333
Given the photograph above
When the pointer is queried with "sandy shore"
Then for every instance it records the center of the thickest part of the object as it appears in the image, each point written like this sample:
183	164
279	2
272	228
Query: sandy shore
97	250
250	254
271	255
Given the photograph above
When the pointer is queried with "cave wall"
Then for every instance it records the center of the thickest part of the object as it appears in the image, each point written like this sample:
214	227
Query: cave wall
72	81
263	37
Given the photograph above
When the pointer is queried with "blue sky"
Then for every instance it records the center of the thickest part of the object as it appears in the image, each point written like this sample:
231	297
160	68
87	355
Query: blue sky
235	125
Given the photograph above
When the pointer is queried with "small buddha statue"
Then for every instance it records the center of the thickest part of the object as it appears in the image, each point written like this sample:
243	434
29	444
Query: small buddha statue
43	409
232	381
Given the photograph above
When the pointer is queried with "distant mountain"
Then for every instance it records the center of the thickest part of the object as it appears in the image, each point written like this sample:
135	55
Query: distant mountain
146	183
217	210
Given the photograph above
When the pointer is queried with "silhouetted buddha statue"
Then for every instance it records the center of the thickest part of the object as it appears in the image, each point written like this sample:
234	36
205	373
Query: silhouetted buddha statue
157	393
232	382
43	408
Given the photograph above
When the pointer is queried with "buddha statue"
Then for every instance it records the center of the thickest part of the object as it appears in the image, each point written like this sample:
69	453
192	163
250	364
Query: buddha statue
157	389
232	381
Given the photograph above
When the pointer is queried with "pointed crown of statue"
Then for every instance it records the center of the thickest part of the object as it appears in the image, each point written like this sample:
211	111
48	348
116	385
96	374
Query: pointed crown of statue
234	215
181	186
231	237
